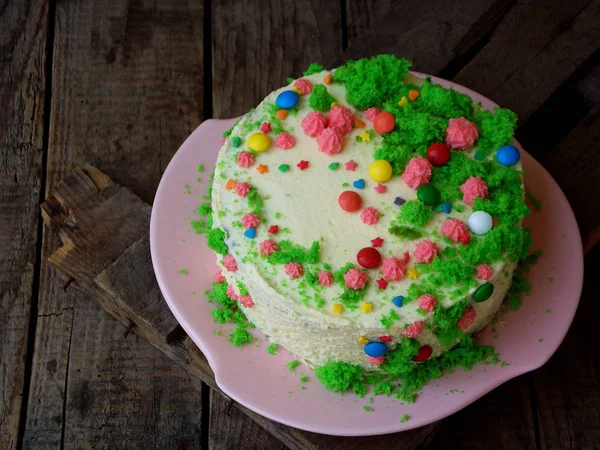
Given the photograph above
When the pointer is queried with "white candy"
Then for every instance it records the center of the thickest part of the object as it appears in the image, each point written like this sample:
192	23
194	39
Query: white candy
480	222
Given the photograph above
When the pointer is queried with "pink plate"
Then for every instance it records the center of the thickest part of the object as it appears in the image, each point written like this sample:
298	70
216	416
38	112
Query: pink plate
525	339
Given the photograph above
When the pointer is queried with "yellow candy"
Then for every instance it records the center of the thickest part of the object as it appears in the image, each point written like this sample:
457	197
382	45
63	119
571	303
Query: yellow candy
403	101
412	273
259	142
296	90
337	308
365	136
380	171
334	104
362	340
366	307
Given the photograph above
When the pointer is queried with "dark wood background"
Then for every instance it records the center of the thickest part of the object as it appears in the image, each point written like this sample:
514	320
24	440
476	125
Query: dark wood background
121	83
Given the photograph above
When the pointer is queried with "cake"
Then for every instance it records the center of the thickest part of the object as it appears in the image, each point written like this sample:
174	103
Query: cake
366	219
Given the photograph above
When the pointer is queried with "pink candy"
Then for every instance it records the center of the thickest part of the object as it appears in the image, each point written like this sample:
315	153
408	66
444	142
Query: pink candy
285	141
350	165
355	279
330	141
427	302
294	269
265	127
229	263
242	188
413	330
393	269
246	300
425	251
417	172
245	159
314	123
474	188
455	230
231	293
340	119
267	247
369	216
219	277
325	278
250	220
461	134
375	360
466	319
484	272
371	112
304	86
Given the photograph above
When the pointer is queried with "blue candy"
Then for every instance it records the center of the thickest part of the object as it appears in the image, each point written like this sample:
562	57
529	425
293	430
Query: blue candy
250	233
508	155
375	349
398	301
287	99
359	184
447	207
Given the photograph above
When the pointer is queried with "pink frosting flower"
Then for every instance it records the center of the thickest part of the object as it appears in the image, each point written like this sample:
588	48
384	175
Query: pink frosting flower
294	269
340	119
229	263
413	330
474	188
265	127
219	277
355	279
467	318
455	230
285	141
242	188
484	272
325	278
314	123
304	86
417	172
250	220
330	141
245	159
246	300
231	293
369	216
393	269
371	112
461	133
425	251
267	247
375	360
427	302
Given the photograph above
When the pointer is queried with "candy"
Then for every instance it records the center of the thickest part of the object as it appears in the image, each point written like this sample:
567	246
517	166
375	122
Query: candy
483	292
375	349
424	354
265	127
385	338
273	229
230	184
365	136
334	166
447	207
261	168
287	99
412	273
381	283
302	165
368	257
508	155
360	124
366	307
380	170
359	184
250	233
259	142
350	201
455	230
304	86
438	154
480	222
327	79
384	122
369	216
376	242
350	165
413	95
380	188
398	301
403	101
337	308
296	90
282	114
362	340
284	167
236	141
428	194
399	201
466	319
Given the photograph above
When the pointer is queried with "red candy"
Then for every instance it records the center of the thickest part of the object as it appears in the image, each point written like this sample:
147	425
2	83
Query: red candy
438	154
350	201
369	257
384	122
424	354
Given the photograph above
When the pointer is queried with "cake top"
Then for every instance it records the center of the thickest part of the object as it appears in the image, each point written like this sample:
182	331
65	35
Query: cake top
366	194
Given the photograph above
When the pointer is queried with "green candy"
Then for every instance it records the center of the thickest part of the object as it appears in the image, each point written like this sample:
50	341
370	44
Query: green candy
284	168
483	292
429	194
334	166
236	141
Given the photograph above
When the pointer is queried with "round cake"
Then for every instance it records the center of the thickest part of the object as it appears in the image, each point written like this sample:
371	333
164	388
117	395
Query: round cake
367	216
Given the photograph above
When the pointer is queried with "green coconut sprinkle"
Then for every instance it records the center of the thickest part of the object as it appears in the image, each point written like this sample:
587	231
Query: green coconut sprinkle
446	103
320	99
495	129
312	69
255	201
388	321
341	376
215	239
288	252
415	213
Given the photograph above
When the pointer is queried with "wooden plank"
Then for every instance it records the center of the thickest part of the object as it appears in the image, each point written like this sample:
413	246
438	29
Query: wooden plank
23	37
127	90
568	386
534	50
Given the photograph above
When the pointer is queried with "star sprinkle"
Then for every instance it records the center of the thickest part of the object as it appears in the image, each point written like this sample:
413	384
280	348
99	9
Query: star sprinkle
334	166
385	338
230	184
302	165
366	307
365	136
381	283
359	123
403	101
337	308
350	165
265	127
412	273
362	340
273	229
262	168
399	201
376	242
380	188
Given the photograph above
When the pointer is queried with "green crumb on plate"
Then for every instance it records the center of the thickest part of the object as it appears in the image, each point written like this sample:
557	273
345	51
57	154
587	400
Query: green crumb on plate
548	311
272	349
404	418
303	378
334	166
187	188
293	364
240	336
200	168
367	408
302	387
183	271
540	340
536	202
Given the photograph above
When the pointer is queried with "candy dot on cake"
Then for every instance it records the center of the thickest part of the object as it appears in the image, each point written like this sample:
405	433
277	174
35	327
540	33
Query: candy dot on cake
483	292
480	222
368	257
375	349
428	194
384	122
259	142
508	155
380	170
287	99
398	301
350	201
438	154
424	353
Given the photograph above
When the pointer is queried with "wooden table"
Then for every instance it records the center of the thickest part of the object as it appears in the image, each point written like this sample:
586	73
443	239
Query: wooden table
120	84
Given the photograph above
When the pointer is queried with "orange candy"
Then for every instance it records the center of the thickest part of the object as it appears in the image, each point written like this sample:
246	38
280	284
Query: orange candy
230	184
384	122
359	123
413	95
262	168
327	79
282	114
350	201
